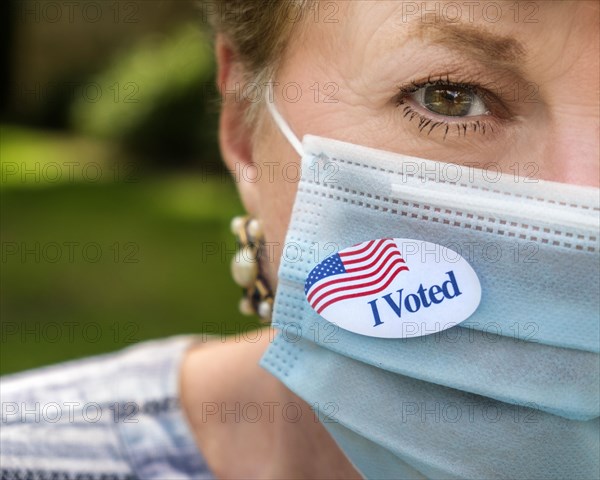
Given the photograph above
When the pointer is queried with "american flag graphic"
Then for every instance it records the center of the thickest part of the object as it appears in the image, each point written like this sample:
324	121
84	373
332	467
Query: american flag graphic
358	271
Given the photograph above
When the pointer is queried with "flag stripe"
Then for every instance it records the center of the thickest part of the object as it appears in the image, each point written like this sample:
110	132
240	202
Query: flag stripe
362	294
382	279
349	258
361	270
352	281
350	278
358	249
380	254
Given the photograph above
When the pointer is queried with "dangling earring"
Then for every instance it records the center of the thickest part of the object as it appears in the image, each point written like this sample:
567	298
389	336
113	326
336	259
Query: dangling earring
245	268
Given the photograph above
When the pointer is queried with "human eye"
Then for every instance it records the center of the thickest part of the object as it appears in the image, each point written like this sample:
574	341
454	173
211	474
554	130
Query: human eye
451	106
450	100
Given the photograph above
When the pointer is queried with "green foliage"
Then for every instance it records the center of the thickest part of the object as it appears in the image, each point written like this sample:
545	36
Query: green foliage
149	260
91	266
158	99
37	158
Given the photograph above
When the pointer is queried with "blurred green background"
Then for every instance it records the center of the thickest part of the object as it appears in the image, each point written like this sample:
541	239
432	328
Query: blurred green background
114	206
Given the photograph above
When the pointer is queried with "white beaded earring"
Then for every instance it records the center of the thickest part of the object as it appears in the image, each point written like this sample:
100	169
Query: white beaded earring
245	268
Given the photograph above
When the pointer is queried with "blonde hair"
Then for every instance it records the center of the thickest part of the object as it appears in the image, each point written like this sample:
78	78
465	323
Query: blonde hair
258	31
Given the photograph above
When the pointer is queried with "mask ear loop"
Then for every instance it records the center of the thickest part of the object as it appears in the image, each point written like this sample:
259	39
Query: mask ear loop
281	123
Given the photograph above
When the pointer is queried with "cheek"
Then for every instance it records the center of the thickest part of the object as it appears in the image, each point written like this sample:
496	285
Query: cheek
573	147
280	173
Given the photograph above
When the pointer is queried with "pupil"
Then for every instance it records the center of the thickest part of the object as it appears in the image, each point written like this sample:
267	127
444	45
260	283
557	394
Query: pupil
448	101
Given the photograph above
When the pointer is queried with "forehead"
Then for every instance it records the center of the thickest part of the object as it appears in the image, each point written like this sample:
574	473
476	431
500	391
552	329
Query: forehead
504	30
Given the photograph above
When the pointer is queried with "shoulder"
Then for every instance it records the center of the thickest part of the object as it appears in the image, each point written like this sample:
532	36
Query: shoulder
116	416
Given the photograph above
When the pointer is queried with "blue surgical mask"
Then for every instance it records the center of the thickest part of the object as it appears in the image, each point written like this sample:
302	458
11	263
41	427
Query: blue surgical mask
508	388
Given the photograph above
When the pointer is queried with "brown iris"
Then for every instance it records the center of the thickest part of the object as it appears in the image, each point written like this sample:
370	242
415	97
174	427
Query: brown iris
452	101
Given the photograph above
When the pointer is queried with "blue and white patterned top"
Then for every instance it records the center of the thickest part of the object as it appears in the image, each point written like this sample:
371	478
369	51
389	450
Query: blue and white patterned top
109	417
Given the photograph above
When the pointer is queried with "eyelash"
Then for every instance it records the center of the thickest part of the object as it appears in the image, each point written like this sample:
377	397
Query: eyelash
462	125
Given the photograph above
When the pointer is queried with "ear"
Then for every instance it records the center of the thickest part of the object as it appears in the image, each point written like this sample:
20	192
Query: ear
235	136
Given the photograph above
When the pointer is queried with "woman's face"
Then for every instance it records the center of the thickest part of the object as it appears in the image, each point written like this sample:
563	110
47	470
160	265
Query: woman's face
509	86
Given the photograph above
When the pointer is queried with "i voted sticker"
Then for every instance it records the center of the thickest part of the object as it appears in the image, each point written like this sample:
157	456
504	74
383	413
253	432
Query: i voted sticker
394	288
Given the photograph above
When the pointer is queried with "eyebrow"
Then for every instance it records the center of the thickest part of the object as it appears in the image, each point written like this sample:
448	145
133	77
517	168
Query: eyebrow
479	42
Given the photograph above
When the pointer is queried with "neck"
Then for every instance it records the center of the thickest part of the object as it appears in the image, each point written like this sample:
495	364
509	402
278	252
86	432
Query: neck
221	381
